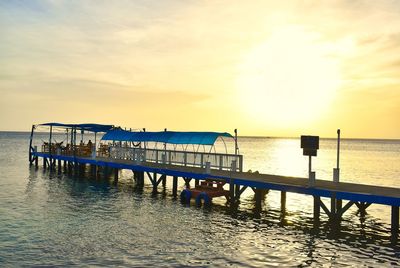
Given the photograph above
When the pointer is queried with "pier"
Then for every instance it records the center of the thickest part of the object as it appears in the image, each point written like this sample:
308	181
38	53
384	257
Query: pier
130	151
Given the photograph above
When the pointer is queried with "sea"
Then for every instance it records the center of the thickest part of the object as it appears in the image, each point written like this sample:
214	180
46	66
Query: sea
51	219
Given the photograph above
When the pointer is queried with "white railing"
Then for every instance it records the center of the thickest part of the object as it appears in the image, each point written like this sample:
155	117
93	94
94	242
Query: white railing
182	158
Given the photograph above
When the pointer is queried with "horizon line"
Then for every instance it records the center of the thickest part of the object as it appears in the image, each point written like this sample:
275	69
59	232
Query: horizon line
249	136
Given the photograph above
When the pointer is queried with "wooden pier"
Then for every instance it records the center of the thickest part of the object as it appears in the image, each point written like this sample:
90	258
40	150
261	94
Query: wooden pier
160	164
342	195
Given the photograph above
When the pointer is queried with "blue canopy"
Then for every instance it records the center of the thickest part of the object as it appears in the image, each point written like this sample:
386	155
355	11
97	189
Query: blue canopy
173	137
86	127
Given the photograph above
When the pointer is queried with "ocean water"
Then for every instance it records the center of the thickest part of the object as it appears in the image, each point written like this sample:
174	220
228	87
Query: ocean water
51	219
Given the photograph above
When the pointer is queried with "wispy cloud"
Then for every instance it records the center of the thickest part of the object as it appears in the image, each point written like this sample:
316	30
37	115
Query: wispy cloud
149	53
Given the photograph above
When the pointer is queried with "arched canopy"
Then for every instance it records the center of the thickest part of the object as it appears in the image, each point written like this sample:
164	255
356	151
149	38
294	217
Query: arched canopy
172	137
85	127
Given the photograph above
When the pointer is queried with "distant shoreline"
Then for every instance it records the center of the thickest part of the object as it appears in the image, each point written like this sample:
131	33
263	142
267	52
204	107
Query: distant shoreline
246	136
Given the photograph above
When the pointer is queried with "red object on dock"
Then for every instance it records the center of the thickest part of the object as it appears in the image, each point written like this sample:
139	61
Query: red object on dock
213	188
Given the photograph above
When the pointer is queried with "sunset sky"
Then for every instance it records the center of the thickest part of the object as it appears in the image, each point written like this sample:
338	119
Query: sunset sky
268	68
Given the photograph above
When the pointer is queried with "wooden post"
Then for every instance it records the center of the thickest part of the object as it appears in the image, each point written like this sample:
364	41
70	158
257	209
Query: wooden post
105	172
44	162
283	202
317	208
36	161
196	183
116	173
237	192
164	181
50	153
258	199
30	145
231	192
333	207
187	182
154	182
59	165
339	206
175	186
139	175
395	221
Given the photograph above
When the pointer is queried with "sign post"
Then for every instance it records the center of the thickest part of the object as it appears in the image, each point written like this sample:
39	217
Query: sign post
310	145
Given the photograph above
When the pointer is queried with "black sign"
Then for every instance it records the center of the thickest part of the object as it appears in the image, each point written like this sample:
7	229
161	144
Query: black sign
310	142
310	145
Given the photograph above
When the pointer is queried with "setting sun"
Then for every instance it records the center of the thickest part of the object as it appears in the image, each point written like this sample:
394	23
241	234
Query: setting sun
290	78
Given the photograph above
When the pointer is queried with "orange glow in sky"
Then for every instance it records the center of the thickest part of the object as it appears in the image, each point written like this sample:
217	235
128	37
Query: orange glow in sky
268	68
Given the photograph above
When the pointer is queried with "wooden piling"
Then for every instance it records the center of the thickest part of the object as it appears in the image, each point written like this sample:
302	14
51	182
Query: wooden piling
116	175
333	206
231	192
258	199
44	162
395	221
175	186
317	208
139	177
154	182
283	202
164	181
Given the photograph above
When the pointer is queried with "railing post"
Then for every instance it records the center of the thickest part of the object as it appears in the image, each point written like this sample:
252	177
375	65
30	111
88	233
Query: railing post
201	160
184	159
221	162
157	156
30	144
233	166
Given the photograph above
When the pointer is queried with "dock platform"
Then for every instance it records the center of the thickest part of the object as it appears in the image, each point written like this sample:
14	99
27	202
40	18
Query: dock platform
355	194
131	150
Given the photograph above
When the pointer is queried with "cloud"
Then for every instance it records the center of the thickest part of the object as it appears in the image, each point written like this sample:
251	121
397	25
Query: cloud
175	56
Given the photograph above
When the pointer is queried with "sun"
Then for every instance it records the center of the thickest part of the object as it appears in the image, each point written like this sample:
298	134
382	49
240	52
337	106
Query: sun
290	78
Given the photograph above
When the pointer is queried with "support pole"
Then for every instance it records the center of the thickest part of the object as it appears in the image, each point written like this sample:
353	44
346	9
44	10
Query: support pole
395	221
50	153
333	207
175	186
116	175
283	202
231	192
44	162
154	182
258	199
317	209
336	173
338	152
237	192
187	182
30	145
236	143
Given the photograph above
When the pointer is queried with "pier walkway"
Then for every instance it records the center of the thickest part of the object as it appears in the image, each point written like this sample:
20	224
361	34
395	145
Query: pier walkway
359	195
131	150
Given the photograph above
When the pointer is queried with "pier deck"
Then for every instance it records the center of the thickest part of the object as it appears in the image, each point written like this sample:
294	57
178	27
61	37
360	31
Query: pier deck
342	190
